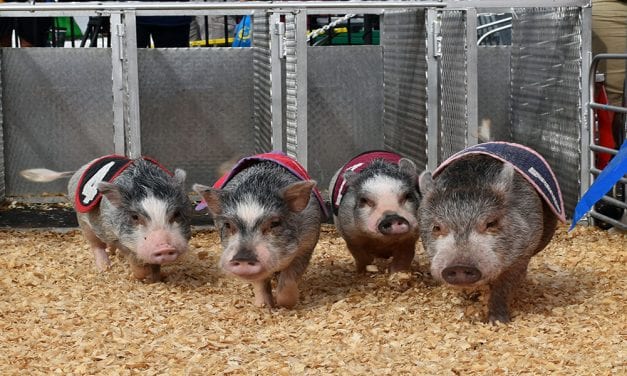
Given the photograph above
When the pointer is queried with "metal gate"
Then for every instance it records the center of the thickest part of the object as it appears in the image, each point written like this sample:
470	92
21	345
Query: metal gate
612	209
418	92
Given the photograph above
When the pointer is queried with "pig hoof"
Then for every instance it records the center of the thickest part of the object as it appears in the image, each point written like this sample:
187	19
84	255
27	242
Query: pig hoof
286	301
144	272
154	278
361	266
261	303
287	294
371	269
102	264
502	318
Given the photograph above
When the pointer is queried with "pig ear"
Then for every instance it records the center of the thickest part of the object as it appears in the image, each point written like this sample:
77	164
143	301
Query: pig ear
211	196
406	166
425	183
505	178
297	195
350	177
111	192
180	176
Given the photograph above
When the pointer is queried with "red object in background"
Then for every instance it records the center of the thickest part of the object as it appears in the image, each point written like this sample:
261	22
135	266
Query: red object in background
603	134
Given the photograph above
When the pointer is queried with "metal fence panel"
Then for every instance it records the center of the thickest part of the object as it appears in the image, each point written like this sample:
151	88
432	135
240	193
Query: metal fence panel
403	39
262	69
546	89
453	83
2	162
494	92
344	106
57	111
291	111
196	107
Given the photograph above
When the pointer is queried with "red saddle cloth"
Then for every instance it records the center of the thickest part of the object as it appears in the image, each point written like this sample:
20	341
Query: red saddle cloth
104	169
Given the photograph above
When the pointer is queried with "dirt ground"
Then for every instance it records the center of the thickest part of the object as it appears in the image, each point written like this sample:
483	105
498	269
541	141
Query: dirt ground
59	316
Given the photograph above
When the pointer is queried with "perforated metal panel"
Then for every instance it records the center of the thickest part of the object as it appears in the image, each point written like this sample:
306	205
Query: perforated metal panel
546	89
344	109
57	111
494	87
404	84
291	111
2	171
453	73
196	107
262	98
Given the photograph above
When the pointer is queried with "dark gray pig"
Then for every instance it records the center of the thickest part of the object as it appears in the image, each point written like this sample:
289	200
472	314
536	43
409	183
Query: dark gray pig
375	201
269	222
480	223
143	211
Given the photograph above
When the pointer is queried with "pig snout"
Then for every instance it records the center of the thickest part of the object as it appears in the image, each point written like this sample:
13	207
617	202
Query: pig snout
161	247
244	264
164	254
461	275
393	224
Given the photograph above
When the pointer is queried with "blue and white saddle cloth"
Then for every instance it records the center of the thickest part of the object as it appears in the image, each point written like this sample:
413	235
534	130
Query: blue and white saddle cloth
528	162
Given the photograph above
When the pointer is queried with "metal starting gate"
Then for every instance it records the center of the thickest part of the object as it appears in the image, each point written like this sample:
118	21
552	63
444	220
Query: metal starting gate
426	91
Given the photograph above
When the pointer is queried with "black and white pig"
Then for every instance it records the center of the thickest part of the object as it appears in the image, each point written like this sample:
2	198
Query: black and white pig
488	210
136	206
268	212
375	204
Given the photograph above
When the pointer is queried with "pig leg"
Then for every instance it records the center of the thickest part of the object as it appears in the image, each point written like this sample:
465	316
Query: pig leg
98	248
501	289
263	293
149	272
550	222
362	259
401	260
140	271
287	288
155	274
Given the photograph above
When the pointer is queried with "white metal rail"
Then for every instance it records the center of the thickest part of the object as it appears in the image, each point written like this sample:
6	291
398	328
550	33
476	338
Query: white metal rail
595	148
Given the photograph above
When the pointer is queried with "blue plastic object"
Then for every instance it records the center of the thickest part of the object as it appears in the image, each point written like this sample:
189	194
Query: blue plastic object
604	182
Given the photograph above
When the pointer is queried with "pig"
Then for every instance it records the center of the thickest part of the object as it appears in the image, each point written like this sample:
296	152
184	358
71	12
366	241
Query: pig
269	223
375	205
143	211
481	221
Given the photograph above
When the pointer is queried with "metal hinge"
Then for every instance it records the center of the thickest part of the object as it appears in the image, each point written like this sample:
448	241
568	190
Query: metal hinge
120	32
279	29
436	29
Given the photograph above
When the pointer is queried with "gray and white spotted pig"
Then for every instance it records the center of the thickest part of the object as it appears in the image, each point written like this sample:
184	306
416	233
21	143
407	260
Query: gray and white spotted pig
135	206
268	212
375	203
485	213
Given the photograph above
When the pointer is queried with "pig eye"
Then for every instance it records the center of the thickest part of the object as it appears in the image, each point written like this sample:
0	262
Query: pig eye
438	230
175	217
273	224
408	198
363	201
491	226
229	227
135	217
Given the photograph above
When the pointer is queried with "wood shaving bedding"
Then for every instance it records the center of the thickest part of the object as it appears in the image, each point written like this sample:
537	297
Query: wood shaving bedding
59	316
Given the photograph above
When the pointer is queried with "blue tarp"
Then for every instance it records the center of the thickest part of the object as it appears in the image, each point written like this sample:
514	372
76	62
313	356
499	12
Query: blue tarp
616	169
